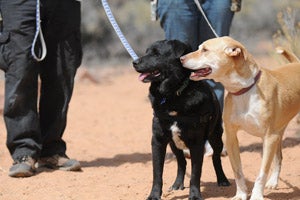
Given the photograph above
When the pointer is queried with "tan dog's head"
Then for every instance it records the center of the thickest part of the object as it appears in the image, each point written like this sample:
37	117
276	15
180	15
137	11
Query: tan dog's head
219	59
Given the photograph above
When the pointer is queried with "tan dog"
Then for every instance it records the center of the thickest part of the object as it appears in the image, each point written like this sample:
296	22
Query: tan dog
259	101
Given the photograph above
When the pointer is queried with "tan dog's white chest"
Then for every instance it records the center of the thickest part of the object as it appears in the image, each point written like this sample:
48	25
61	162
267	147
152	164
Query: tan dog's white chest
247	111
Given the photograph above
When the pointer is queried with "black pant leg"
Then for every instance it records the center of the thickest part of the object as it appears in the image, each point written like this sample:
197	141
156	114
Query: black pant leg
62	33
20	109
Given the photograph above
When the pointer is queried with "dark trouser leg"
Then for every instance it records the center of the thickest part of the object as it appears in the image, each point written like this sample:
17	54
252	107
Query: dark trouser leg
220	17
20	109
62	33
182	20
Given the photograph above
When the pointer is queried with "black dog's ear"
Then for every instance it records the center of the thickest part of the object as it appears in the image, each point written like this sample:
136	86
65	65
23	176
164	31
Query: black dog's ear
180	48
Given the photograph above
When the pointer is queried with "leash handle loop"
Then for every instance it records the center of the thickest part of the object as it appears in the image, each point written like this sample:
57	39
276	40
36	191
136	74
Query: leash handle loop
38	33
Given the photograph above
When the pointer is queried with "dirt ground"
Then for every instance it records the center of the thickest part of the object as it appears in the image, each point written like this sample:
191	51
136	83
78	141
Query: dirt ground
109	132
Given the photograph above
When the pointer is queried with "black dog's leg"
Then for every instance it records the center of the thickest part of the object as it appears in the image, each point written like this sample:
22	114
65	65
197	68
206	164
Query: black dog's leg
197	151
159	145
181	168
215	140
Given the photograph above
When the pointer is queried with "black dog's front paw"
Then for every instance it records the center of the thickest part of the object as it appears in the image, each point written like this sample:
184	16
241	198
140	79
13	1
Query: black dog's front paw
153	198
176	186
195	198
223	183
154	195
195	193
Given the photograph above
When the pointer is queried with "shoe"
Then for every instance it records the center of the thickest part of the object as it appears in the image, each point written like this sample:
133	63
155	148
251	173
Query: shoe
60	162
22	167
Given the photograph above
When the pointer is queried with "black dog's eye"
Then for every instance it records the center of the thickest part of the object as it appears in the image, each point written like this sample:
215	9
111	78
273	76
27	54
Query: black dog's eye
154	51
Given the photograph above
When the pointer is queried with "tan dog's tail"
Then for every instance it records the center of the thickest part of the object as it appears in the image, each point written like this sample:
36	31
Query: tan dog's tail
290	56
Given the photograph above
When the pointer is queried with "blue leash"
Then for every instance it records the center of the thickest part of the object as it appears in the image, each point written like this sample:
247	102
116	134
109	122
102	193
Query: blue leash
206	19
112	20
118	30
122	37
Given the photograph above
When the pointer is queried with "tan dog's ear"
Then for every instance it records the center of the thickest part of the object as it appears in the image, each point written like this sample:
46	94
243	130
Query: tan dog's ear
233	51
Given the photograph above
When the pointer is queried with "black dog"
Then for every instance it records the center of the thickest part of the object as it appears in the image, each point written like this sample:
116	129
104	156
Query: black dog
186	114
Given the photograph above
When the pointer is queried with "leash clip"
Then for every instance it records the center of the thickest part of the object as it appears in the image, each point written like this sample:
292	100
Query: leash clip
236	5
153	10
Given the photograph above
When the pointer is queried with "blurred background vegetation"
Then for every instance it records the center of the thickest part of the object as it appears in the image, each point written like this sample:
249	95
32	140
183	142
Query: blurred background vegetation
259	22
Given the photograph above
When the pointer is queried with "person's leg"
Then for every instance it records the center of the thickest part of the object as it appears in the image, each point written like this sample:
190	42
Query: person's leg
20	107
62	33
180	20
220	17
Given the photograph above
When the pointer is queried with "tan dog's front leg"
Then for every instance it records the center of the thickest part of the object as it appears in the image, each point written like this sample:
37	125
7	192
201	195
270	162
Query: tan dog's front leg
232	146
270	145
273	180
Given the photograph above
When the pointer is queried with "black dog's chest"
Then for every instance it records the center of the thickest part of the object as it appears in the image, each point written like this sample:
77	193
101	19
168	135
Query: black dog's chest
171	105
190	109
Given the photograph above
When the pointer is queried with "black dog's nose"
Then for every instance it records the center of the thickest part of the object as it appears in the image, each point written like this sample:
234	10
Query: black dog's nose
136	62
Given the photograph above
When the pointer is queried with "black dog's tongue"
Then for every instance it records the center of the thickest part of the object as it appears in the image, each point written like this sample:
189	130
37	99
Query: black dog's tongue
149	76
143	76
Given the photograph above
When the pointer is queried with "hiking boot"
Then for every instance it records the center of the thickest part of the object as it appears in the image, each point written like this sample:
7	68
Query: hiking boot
59	162
22	167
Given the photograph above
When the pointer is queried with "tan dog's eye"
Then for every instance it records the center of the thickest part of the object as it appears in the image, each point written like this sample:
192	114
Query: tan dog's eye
204	49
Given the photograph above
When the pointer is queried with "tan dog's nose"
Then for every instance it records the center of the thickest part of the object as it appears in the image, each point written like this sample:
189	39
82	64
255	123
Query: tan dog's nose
182	59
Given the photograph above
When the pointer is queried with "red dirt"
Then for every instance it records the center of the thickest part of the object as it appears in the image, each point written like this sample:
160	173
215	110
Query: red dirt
109	132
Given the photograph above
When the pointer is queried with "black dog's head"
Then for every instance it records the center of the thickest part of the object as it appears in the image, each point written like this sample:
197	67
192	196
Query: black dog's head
161	64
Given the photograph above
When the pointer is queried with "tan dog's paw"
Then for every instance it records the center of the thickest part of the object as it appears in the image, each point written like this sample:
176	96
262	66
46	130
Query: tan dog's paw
239	197
271	185
257	197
